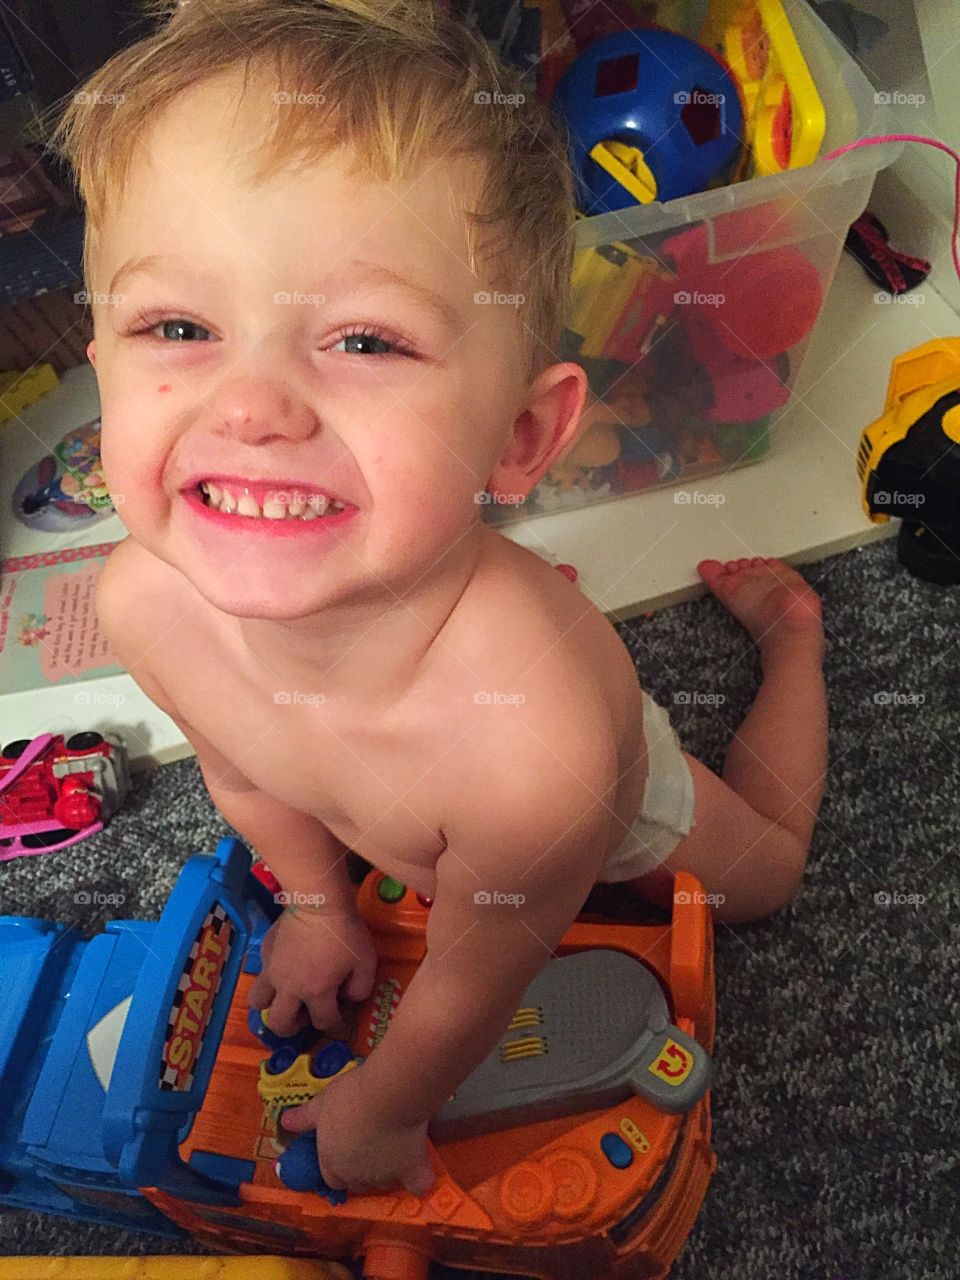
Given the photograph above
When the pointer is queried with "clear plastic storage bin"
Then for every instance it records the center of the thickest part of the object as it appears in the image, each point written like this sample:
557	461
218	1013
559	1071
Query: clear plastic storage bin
692	317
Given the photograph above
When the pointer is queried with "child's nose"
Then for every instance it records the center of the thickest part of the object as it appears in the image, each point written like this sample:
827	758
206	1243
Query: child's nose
256	411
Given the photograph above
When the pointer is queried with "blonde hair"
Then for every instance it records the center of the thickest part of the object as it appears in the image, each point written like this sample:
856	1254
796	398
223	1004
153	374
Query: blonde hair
398	82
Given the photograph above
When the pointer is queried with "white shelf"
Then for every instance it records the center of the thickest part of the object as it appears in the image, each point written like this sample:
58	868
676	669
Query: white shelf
801	502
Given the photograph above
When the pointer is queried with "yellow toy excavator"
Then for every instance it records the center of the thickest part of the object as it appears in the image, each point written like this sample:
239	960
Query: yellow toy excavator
908	460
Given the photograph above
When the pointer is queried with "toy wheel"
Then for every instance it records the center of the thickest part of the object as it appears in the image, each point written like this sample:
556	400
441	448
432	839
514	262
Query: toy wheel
929	555
15	749
44	839
83	741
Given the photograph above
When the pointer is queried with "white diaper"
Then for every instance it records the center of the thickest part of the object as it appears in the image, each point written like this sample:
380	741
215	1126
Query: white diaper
666	812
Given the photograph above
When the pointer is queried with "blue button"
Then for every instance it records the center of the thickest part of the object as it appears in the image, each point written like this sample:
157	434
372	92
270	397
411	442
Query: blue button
282	1060
331	1059
616	1150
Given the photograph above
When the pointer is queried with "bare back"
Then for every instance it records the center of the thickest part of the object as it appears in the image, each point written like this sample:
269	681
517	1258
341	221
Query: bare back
378	776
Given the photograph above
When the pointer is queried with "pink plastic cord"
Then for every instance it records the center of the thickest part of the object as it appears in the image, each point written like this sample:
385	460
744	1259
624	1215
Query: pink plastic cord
927	142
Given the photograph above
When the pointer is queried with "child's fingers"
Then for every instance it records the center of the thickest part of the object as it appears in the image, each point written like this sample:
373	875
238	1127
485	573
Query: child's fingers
261	992
297	1119
333	1181
360	983
324	1012
284	1015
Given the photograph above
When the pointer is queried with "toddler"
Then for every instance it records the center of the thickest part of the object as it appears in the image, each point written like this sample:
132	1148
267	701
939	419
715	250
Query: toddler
330	202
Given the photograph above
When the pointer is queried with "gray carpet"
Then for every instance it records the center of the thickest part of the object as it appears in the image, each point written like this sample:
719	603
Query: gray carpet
837	1056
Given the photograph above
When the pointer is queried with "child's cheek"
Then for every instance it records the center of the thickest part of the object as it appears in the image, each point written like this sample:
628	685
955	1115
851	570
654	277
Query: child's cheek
131	470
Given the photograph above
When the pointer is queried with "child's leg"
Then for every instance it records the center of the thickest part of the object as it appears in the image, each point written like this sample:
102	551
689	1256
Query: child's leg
753	827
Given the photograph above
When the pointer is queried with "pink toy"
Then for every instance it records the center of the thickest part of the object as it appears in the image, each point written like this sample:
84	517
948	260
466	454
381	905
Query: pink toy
742	318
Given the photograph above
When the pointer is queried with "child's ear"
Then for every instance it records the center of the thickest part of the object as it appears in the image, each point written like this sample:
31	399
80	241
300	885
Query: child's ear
546	425
92	351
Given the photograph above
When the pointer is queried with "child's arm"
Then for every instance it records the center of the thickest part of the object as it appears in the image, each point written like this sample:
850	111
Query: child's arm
482	955
305	856
321	950
480	960
520	834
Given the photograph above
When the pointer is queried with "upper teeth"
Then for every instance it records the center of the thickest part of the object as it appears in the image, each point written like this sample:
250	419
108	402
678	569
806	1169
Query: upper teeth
282	505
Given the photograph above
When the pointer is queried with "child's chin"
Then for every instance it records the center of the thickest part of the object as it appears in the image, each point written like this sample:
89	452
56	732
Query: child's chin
269	602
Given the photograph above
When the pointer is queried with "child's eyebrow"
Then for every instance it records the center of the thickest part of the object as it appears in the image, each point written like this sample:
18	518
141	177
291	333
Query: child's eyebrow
378	273
357	271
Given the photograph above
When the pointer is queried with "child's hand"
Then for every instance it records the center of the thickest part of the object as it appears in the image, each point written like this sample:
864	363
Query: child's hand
356	1150
306	961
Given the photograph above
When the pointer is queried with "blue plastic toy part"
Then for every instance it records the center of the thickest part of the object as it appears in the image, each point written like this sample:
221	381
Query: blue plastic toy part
618	1152
660	93
263	910
299	1042
135	1045
299	1169
332	1058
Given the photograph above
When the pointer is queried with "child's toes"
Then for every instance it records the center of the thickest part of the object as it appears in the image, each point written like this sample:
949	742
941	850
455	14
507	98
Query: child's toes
711	570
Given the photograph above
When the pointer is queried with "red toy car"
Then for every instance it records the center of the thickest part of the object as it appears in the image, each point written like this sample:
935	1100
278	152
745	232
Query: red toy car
55	791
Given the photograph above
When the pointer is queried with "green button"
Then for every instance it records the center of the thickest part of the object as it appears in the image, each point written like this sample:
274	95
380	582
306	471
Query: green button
390	890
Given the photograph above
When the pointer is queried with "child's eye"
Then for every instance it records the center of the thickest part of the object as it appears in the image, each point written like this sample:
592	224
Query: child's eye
173	328
370	341
178	329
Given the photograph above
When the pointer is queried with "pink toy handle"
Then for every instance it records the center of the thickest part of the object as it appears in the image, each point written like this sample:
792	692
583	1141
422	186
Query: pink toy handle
33	753
17	849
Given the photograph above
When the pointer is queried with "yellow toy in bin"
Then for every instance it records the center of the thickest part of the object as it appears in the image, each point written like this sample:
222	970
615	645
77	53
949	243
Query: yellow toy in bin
20	390
784	114
598	446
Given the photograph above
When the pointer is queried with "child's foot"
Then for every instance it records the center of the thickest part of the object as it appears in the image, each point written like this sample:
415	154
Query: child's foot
770	600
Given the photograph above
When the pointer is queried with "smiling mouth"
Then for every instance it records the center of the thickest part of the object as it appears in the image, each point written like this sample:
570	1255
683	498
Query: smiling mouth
276	504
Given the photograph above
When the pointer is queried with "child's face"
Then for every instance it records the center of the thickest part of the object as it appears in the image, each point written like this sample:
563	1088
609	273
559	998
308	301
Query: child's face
265	379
